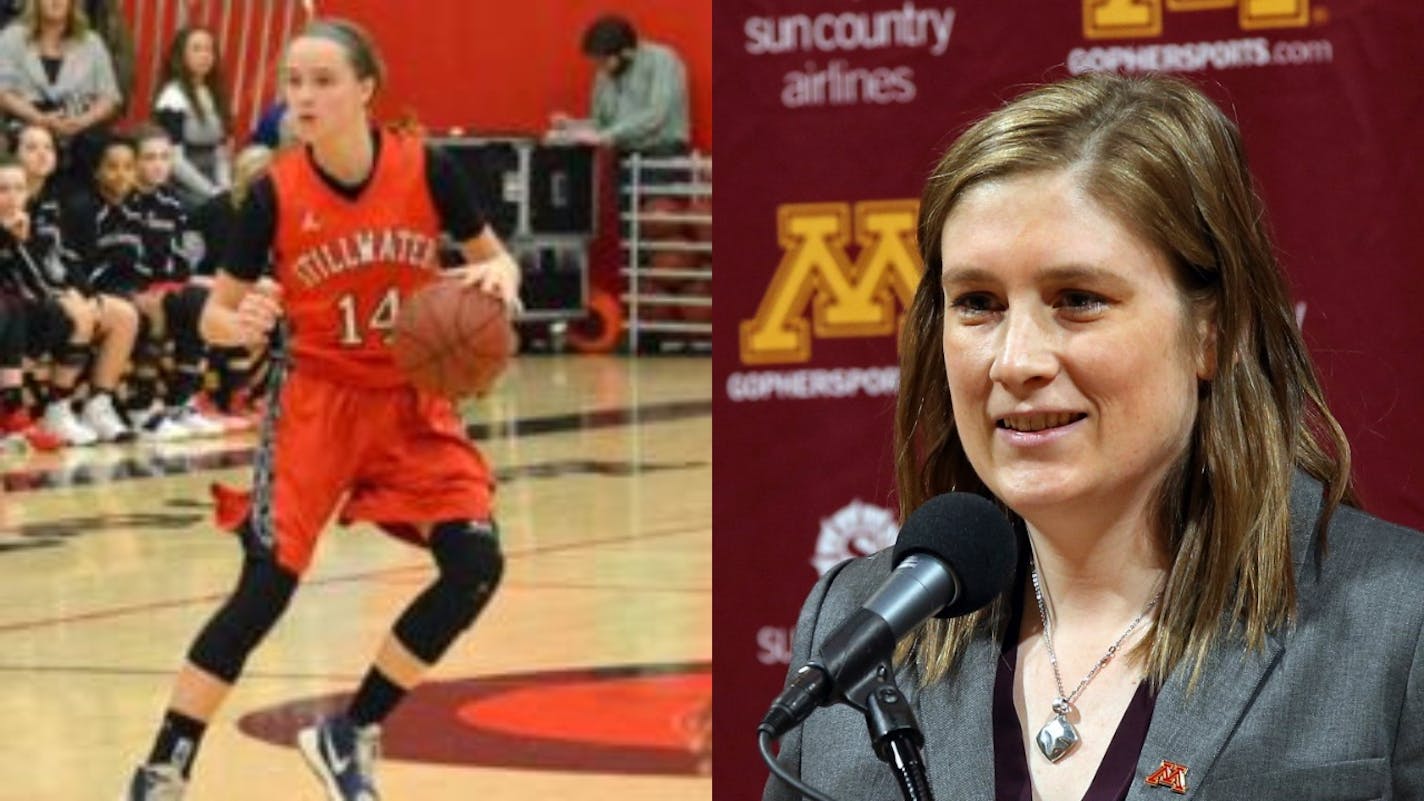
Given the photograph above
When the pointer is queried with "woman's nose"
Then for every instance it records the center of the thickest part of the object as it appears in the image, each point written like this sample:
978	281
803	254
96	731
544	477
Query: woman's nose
1027	351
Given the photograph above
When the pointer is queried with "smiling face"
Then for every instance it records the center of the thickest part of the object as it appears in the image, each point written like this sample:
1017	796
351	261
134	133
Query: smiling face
116	174
155	162
324	94
35	149
1071	356
13	191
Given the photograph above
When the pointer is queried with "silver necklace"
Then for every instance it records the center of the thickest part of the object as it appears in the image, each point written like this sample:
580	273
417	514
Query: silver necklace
1058	736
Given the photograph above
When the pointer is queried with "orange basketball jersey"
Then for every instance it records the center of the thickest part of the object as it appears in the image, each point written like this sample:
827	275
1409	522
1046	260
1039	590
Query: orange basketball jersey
346	265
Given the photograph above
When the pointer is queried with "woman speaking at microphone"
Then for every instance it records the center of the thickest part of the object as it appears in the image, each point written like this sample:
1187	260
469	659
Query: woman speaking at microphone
1103	345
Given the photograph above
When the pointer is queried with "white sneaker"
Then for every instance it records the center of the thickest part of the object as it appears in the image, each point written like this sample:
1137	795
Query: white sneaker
197	423
59	420
164	427
99	415
155	783
140	418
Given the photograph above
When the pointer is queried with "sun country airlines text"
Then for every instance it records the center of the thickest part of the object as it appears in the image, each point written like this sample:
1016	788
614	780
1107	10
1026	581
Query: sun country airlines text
833	40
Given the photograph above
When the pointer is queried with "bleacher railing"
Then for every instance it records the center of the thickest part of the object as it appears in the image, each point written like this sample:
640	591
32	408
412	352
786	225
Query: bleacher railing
667	221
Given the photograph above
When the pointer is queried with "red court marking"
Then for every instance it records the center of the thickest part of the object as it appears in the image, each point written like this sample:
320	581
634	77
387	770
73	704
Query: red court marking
579	720
637	711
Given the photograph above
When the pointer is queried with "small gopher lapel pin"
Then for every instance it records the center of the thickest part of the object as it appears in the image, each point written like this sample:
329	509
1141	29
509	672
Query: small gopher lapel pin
1170	775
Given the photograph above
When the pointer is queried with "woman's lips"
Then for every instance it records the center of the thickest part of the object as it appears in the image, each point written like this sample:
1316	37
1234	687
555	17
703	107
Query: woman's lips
1037	429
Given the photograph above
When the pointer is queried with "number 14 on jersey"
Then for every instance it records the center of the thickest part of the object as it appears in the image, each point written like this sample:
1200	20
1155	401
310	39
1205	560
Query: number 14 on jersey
356	325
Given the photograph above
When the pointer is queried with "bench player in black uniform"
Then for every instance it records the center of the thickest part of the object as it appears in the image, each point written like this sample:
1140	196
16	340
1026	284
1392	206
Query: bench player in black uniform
22	321
122	269
213	221
45	316
170	250
112	324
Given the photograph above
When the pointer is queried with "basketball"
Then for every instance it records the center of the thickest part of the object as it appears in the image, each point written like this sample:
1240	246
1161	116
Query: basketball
452	340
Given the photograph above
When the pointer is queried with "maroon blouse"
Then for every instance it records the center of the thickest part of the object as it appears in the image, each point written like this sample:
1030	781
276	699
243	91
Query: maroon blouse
1011	778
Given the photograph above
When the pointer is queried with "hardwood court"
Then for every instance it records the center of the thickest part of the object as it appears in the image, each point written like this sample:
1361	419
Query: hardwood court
588	677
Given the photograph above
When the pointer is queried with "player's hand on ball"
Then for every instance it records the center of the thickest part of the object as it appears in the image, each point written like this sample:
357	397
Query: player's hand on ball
498	276
259	311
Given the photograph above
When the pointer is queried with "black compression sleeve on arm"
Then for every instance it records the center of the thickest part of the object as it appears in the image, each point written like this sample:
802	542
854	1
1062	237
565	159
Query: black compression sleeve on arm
255	230
460	208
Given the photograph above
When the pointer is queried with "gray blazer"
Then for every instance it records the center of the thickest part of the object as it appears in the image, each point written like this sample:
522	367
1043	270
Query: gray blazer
1331	710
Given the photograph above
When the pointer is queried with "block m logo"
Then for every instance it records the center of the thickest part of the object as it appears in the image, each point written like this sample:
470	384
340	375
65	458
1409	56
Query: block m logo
846	299
1169	775
1112	19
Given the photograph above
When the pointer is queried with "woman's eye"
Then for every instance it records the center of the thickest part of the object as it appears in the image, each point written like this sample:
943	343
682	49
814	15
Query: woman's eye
973	304
1083	302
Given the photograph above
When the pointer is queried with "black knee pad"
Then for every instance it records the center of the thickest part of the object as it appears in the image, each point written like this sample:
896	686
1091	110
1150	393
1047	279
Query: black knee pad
182	308
471	566
71	354
14	327
172	308
468	555
47	328
61	327
262	594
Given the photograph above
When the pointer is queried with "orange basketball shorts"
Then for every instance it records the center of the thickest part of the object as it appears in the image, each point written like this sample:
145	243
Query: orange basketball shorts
395	457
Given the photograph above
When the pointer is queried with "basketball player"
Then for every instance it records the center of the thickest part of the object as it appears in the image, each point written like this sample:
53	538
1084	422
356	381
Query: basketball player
351	218
61	233
174	299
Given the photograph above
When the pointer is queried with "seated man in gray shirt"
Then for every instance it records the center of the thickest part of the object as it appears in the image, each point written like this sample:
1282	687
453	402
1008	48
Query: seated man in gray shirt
639	99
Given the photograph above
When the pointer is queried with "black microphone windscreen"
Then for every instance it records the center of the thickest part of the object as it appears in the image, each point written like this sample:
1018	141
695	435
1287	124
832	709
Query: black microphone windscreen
969	534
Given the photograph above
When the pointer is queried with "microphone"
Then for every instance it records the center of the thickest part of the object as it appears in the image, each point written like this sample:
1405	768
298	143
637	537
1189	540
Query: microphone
955	554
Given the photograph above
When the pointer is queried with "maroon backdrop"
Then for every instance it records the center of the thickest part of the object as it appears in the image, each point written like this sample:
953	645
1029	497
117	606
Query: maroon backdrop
830	115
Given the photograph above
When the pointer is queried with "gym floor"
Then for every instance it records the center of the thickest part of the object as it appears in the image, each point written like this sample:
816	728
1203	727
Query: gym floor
589	676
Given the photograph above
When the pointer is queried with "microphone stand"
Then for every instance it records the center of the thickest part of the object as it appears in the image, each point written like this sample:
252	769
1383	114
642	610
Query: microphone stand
894	732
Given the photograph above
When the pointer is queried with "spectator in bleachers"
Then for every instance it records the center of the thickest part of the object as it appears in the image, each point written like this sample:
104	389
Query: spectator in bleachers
112	323
56	71
193	107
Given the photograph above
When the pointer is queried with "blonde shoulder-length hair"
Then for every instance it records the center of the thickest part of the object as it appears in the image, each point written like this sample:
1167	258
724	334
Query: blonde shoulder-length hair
1160	156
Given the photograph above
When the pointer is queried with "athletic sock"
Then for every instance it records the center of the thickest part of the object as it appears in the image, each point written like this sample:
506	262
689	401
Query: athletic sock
375	699
177	741
144	391
184	385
